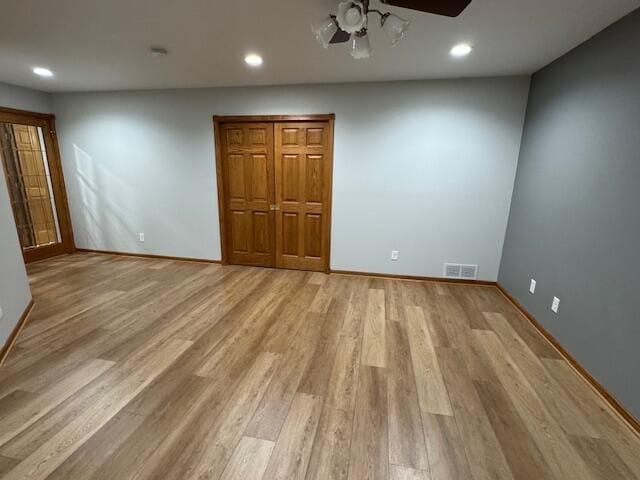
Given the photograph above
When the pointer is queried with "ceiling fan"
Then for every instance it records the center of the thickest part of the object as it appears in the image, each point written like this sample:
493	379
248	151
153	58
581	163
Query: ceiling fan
351	23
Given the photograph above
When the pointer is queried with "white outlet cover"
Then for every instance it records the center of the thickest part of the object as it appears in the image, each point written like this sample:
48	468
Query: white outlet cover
395	254
555	304
1	312
532	286
141	237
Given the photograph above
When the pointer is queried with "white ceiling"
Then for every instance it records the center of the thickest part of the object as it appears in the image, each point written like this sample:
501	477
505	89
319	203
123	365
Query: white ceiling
104	45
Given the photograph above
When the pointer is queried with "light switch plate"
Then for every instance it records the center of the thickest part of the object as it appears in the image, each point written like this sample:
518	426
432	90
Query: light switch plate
1	312
532	286
395	254
141	237
555	304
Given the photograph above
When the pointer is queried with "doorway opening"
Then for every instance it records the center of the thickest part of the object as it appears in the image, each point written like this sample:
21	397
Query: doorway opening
275	177
31	165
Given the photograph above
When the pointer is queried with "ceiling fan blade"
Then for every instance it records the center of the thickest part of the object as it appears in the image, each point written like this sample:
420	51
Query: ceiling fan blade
449	8
340	37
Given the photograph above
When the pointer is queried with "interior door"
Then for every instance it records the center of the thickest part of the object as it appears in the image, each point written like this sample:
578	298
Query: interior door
36	187
247	169
303	171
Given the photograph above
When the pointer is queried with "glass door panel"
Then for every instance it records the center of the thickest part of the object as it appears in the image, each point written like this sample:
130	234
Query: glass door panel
35	189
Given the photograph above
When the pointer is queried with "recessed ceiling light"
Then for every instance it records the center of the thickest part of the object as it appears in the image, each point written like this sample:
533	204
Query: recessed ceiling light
43	72
158	52
461	50
253	60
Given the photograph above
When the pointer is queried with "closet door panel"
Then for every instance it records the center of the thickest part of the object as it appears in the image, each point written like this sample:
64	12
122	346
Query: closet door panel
302	191
247	167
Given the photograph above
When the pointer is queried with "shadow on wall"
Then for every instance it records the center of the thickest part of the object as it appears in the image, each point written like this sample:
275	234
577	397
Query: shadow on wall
105	224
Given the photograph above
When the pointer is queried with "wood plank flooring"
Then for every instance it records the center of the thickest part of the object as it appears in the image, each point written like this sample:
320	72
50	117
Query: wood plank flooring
155	369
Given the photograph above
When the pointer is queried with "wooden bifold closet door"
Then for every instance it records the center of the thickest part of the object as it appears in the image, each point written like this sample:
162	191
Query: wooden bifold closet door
274	180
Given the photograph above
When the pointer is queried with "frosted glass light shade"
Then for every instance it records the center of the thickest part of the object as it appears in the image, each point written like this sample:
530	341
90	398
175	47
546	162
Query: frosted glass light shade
351	17
360	46
395	27
324	31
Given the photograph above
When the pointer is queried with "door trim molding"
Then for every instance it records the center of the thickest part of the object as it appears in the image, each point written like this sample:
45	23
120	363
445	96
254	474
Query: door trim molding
322	117
47	122
218	120
21	114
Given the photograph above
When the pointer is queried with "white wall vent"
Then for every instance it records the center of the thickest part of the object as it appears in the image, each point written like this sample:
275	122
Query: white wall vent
469	272
462	271
452	270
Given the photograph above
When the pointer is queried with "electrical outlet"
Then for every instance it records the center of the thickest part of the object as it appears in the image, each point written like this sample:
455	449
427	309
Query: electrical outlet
532	287
395	255
1	312
555	304
141	237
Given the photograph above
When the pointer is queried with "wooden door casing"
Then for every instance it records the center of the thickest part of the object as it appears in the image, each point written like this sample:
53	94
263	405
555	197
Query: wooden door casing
303	171
247	168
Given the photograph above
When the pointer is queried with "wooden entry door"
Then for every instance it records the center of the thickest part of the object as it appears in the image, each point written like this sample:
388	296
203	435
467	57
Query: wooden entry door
274	190
31	164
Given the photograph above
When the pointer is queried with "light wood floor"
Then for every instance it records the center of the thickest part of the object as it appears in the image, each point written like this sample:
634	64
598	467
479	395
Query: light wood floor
152	369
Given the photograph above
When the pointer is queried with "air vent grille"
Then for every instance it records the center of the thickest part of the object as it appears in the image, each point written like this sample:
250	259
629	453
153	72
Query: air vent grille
452	270
462	271
469	272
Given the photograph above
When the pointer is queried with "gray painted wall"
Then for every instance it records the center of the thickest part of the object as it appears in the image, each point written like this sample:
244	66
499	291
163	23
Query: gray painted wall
12	96
575	219
426	168
14	286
